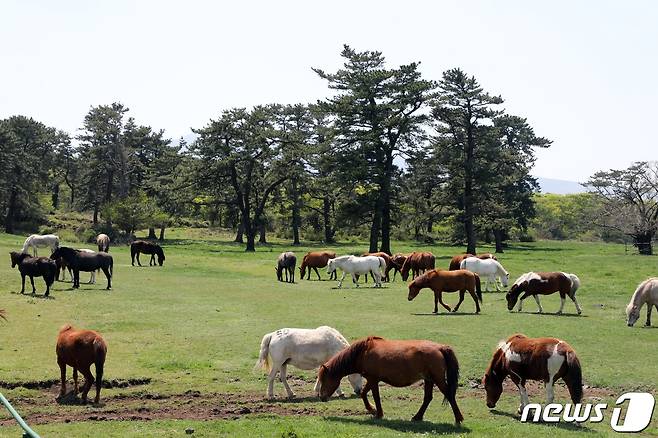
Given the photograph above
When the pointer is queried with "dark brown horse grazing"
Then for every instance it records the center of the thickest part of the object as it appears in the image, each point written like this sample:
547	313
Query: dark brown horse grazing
398	363
142	246
541	359
34	267
456	260
79	349
417	262
448	281
315	260
544	283
85	262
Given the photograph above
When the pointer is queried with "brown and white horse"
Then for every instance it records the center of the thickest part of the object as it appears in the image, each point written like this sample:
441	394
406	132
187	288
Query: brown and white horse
544	283
398	363
417	263
542	359
314	260
448	281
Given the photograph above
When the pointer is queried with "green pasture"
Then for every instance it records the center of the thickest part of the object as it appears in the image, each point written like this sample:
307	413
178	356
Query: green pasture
197	323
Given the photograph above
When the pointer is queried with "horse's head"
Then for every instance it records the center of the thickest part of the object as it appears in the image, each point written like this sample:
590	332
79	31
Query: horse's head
505	279
16	258
404	270
327	383
302	270
357	383
414	289
279	272
513	295
632	314
493	380
331	266
161	256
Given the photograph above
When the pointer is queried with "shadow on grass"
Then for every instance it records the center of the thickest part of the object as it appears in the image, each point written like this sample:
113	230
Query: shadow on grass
403	425
72	399
562	425
557	315
447	314
31	295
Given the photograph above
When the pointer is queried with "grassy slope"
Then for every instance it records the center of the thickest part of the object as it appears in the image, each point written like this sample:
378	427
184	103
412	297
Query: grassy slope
197	324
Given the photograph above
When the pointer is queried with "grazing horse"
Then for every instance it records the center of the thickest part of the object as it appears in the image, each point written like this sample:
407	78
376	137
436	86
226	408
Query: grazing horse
544	283
103	242
34	267
358	266
79	349
417	262
142	246
286	262
456	260
42	241
448	281
398	363
305	349
315	260
646	293
387	259
86	262
63	267
541	359
397	261
490	269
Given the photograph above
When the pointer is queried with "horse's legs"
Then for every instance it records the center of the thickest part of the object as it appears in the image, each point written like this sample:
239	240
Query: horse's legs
62	369
429	386
270	382
138	262
316	273
475	298
461	299
22	283
536	297
575	301
76	278
562	300
649	307
106	271
34	290
89	380
283	377
75	380
340	283
378	402
355	279
92	278
364	396
438	296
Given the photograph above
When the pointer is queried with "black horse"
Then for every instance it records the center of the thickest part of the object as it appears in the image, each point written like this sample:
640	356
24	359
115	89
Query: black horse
139	246
34	267
86	262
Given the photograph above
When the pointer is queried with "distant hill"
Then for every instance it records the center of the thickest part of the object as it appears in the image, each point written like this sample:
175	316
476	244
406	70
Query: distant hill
559	186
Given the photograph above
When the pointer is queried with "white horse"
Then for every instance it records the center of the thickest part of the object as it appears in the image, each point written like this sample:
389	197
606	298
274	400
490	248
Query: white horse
306	349
92	278
490	269
646	293
358	266
37	240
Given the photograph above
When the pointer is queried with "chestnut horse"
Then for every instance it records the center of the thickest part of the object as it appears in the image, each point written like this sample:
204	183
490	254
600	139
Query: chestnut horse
315	260
79	349
541	359
34	267
397	261
448	281
398	363
456	260
142	246
544	283
417	262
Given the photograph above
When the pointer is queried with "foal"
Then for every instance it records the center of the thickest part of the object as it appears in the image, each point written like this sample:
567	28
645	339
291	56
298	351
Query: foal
34	267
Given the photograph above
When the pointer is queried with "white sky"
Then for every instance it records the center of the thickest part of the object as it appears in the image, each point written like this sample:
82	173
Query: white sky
584	73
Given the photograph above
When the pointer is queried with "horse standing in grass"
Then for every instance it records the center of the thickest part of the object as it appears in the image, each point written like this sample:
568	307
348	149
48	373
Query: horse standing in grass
448	281
398	363
646	293
358	266
86	262
315	260
541	359
490	269
305	349
456	260
80	349
142	246
103	242
544	283
40	241
34	267
387	259
417	262
62	267
286	263
397	261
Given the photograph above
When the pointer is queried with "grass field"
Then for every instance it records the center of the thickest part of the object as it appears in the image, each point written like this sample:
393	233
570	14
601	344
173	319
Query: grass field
193	327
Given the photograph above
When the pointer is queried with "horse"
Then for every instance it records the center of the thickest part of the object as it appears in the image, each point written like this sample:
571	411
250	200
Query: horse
387	259
103	242
34	267
490	269
286	262
646	293
142	246
540	359
544	283
397	261
358	266
62	267
315	260
398	363
417	262
305	349
87	262
42	241
448	281
456	260
79	349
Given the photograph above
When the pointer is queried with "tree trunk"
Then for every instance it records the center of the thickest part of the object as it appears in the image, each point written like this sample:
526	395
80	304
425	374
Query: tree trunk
55	196
374	228
250	232
386	203
296	216
11	212
469	229
326	217
151	233
430	225
261	232
498	234
240	233
643	243
95	220
162	234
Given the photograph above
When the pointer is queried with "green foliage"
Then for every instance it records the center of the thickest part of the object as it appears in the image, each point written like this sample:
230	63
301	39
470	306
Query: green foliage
567	216
134	212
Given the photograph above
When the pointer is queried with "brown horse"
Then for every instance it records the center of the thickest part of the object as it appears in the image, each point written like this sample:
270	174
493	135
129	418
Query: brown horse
79	349
397	261
417	262
142	246
386	257
398	363
34	267
448	281
544	283
456	260
315	260
541	359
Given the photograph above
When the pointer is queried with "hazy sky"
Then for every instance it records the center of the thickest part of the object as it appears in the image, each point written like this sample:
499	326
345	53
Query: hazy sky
583	73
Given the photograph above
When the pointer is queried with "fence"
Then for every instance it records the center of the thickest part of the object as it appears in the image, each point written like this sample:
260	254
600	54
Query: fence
27	432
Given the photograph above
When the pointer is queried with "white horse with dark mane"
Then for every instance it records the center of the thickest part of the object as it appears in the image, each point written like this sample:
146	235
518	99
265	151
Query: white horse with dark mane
646	293
41	241
489	269
305	349
358	266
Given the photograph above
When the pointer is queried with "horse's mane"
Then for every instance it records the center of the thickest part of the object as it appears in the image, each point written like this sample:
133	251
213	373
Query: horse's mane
65	328
342	363
522	278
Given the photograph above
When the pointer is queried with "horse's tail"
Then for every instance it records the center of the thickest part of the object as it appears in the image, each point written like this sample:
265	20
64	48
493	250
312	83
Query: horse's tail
478	287
111	267
575	284
264	356
100	351
574	377
452	380
53	273
382	265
